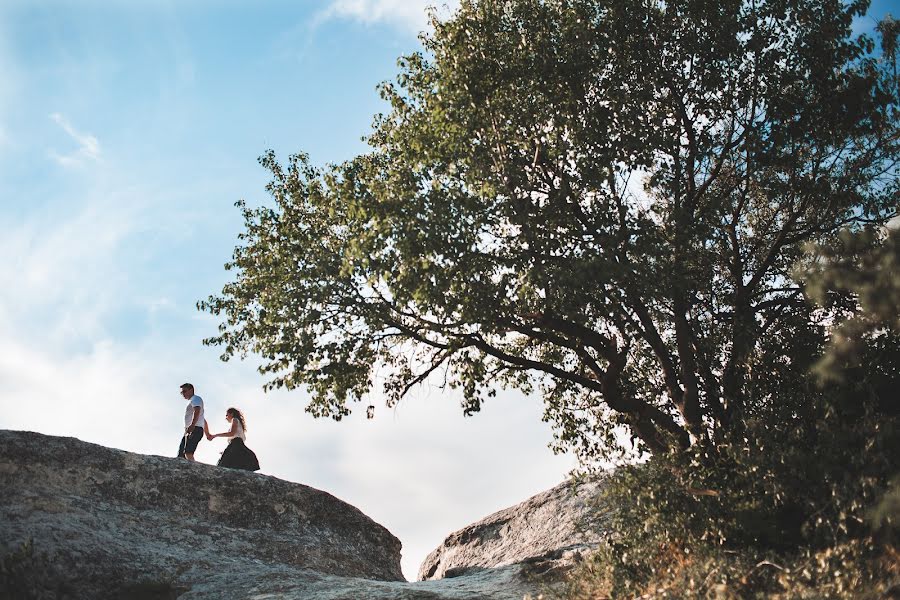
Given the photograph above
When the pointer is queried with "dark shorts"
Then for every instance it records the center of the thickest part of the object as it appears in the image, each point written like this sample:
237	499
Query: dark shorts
192	441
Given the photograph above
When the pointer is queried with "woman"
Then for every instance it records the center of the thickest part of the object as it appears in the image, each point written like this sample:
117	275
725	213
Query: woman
236	454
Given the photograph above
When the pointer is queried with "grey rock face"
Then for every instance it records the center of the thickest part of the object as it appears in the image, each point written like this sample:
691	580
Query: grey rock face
112	524
110	514
545	535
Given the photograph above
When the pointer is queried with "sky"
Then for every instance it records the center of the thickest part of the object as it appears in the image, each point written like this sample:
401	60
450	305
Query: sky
128	129
127	132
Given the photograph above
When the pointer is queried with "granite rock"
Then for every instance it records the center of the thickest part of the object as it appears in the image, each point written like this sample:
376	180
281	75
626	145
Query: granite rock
545	535
105	523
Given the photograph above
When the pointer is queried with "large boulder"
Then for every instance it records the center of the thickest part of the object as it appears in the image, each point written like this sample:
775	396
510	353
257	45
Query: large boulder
106	516
105	523
546	534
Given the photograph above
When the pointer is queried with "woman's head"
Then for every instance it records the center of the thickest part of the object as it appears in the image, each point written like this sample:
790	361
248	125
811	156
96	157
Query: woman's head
233	413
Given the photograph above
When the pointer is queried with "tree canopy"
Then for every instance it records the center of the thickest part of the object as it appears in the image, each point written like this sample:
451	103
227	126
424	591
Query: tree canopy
863	270
599	200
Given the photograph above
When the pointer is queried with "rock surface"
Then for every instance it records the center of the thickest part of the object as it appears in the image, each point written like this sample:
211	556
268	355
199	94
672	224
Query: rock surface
549	532
112	524
112	513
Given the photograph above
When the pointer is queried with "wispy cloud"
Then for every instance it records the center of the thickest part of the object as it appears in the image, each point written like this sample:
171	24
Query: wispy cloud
88	145
60	261
408	14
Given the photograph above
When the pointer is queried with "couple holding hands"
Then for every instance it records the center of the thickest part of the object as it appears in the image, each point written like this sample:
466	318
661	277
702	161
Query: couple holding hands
236	455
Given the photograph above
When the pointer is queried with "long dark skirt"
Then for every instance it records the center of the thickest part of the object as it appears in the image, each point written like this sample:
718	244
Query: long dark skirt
238	456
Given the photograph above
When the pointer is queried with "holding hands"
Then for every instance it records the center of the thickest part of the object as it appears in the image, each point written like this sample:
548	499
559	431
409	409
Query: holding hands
233	431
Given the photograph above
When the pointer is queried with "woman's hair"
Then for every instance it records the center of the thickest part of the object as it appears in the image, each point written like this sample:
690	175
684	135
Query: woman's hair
236	414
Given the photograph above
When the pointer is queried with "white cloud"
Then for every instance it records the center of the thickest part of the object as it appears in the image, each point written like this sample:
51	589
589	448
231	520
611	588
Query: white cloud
409	14
88	145
63	268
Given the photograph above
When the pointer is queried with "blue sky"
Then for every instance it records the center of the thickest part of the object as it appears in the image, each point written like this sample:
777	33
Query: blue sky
127	131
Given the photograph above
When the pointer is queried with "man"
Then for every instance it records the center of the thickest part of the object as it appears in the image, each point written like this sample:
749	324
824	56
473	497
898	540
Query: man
193	422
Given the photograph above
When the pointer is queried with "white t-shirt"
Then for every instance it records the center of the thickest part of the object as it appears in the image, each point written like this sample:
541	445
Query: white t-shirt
189	411
239	433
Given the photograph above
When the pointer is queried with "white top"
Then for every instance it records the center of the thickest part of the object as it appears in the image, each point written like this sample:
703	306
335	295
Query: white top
189	411
239	433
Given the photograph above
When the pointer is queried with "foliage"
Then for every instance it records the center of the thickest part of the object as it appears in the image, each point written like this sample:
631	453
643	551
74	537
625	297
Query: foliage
811	512
851	570
630	206
497	233
789	519
889	30
859	274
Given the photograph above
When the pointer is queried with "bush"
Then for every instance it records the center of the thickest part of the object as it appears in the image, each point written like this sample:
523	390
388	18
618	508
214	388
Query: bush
803	510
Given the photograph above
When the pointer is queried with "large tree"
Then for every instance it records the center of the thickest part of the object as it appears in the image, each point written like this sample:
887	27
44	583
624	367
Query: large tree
598	199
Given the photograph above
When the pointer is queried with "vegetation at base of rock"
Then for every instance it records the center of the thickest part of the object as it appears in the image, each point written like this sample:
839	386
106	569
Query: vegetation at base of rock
792	519
851	571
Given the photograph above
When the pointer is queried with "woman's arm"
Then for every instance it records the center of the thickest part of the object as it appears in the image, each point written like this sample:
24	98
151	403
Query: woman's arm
231	433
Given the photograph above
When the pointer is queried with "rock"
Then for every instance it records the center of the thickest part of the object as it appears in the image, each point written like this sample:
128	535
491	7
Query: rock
107	516
112	524
545	536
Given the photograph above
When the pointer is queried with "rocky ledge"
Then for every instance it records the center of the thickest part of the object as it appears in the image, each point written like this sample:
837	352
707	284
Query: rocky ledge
547	534
79	520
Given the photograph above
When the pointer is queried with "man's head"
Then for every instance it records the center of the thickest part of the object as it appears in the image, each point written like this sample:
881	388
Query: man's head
187	390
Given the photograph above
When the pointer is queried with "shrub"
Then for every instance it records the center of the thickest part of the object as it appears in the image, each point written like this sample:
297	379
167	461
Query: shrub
801	511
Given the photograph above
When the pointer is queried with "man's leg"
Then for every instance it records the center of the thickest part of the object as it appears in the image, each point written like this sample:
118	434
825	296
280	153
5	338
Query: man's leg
192	441
181	447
